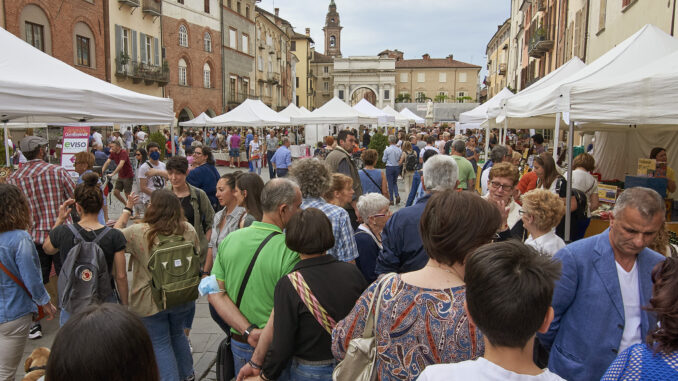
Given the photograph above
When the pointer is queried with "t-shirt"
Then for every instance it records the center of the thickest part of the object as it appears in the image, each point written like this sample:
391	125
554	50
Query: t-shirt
585	182
188	141
97	138
630	292
235	142
479	370
205	177
100	158
141	136
126	172
466	171
153	183
255	150
62	239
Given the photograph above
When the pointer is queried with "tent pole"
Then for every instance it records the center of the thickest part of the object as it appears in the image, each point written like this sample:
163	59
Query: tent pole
6	145
505	131
487	142
555	138
568	195
173	148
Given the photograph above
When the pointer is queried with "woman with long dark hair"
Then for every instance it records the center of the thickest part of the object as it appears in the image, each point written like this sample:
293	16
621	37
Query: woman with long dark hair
164	217
248	187
547	174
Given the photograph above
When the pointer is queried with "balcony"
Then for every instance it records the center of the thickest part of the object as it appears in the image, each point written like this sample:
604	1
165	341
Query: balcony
152	7
539	44
236	98
129	3
502	69
139	71
273	78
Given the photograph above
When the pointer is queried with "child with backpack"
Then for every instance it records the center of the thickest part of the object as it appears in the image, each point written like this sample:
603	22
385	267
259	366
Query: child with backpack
509	287
165	259
88	251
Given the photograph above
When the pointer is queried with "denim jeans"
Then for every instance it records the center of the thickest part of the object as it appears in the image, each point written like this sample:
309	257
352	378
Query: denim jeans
170	345
392	173
307	372
416	180
242	353
271	172
188	323
281	172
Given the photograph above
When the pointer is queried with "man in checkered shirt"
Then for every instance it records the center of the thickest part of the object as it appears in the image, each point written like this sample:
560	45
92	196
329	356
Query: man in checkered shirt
46	187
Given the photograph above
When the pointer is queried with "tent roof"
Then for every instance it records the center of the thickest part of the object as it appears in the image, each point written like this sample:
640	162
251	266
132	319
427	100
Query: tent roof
37	87
335	111
399	118
367	108
411	116
479	114
304	110
199	121
250	113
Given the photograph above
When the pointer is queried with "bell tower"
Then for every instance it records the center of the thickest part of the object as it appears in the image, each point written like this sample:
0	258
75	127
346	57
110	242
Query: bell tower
332	31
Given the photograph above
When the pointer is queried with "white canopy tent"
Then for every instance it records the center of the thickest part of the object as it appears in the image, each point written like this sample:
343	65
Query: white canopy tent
335	111
367	108
199	121
250	113
412	116
400	120
289	111
474	118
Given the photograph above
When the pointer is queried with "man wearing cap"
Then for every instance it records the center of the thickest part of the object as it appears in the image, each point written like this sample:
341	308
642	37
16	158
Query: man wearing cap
46	187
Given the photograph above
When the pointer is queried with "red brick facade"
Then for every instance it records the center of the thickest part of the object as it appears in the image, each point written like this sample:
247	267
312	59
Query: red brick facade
63	17
194	96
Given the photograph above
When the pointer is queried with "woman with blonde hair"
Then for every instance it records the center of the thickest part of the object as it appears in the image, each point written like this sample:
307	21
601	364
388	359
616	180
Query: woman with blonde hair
541	213
341	190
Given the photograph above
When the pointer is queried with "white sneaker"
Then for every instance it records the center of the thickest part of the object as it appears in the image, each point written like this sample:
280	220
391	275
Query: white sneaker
35	331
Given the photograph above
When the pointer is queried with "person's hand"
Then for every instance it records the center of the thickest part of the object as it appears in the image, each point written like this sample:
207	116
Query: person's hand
49	309
247	372
253	338
65	210
503	211
132	200
256	378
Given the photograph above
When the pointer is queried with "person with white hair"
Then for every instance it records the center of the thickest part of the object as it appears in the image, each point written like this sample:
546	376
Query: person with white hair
403	250
375	212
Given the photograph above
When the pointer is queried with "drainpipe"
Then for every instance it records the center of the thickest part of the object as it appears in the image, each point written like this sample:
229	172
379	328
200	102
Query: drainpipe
107	42
673	17
586	34
223	60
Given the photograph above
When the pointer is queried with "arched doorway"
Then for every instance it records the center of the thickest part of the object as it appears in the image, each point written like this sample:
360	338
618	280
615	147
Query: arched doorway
184	115
210	113
364	93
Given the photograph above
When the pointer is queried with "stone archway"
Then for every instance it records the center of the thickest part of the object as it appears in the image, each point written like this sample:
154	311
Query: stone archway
363	93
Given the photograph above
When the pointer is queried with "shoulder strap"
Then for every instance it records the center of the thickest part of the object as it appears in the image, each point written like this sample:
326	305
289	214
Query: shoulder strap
370	324
371	179
251	266
101	235
15	279
76	233
317	310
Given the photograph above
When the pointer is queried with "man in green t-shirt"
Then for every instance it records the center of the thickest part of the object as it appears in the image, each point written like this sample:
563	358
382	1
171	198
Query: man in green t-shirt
467	176
280	200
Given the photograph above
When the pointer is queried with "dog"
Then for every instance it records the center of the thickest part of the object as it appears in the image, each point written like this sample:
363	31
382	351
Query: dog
36	364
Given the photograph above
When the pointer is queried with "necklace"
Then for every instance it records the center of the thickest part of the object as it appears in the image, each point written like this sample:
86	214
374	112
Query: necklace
377	236
452	271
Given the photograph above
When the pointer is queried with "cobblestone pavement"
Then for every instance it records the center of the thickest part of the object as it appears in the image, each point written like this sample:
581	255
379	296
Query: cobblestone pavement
205	335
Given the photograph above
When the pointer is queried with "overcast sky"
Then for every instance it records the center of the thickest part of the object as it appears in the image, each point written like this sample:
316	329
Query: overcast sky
438	27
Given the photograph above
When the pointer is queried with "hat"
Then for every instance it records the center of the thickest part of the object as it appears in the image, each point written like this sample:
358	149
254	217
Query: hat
31	143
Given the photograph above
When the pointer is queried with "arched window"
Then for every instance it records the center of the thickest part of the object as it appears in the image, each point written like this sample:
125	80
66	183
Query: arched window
208	42
333	41
183	36
183	80
207	75
35	28
84	45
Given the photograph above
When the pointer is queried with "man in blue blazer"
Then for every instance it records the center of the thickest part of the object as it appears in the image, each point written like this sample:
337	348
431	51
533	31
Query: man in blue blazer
606	280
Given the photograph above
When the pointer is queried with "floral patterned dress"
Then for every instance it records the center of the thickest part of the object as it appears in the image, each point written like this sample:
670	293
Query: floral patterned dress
415	327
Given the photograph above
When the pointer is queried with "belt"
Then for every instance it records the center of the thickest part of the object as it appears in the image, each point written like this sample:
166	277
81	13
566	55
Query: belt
239	338
317	363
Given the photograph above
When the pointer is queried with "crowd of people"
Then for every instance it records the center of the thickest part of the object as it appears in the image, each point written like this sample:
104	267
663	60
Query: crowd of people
471	279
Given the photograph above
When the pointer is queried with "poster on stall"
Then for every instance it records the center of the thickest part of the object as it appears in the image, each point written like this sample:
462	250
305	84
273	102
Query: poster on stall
76	139
646	167
607	193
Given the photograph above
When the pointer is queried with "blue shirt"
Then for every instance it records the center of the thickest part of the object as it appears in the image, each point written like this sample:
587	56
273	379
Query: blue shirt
392	156
248	139
18	255
205	177
368	182
282	158
188	141
403	249
344	248
100	158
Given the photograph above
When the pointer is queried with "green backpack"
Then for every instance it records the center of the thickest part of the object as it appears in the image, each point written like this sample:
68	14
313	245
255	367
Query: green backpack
175	272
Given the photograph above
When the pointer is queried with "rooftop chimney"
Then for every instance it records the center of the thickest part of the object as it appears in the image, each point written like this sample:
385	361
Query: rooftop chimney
308	32
450	58
426	57
277	12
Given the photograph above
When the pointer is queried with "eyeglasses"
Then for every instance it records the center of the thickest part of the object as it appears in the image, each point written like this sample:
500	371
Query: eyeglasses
522	212
197	153
138	154
496	185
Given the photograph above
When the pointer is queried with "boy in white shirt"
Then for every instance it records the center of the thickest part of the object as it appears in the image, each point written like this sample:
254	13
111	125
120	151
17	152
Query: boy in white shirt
509	287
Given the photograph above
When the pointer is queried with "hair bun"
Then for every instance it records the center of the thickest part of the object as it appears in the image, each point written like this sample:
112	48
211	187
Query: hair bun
90	179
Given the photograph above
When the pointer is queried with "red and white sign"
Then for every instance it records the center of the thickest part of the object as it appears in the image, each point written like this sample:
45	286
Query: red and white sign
76	139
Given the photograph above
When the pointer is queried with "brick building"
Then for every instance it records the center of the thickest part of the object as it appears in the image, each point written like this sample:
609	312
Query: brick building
70	30
191	39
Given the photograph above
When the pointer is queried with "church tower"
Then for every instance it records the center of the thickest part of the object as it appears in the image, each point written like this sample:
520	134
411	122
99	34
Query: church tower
332	31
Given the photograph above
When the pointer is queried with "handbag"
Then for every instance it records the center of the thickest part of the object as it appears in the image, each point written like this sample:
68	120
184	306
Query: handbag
361	354
317	310
41	312
224	362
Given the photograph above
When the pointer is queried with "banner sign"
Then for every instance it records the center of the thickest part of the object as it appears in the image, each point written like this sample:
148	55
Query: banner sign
76	139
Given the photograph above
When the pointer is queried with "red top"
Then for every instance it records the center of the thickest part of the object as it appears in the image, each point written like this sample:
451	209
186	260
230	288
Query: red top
126	172
528	182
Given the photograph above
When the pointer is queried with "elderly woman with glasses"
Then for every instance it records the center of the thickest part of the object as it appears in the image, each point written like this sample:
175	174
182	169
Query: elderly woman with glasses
541	213
501	186
374	209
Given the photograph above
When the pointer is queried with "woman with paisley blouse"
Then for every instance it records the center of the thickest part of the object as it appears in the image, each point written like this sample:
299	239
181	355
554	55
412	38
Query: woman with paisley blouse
421	320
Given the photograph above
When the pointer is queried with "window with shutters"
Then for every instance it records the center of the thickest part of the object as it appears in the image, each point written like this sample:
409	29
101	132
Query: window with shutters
601	16
260	63
578	33
233	39
403	77
247	12
126	33
148	49
387	94
35	35
326	86
183	80
245	43
232	82
238	7
341	94
293	46
183	36
421	77
208	42
207	76
82	44
442	77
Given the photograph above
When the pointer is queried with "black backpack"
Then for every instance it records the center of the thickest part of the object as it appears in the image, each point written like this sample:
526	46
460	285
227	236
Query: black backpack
84	278
411	162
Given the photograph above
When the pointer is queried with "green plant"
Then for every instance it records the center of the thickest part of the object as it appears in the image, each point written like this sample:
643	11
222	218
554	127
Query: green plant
123	57
441	98
379	142
462	99
422	98
403	98
159	138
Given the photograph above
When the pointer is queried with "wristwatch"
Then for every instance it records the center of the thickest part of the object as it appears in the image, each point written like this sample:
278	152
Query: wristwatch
248	331
204	273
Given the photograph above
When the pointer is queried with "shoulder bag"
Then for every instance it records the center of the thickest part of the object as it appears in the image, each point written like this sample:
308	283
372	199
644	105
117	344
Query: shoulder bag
224	362
361	354
372	180
36	316
317	310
